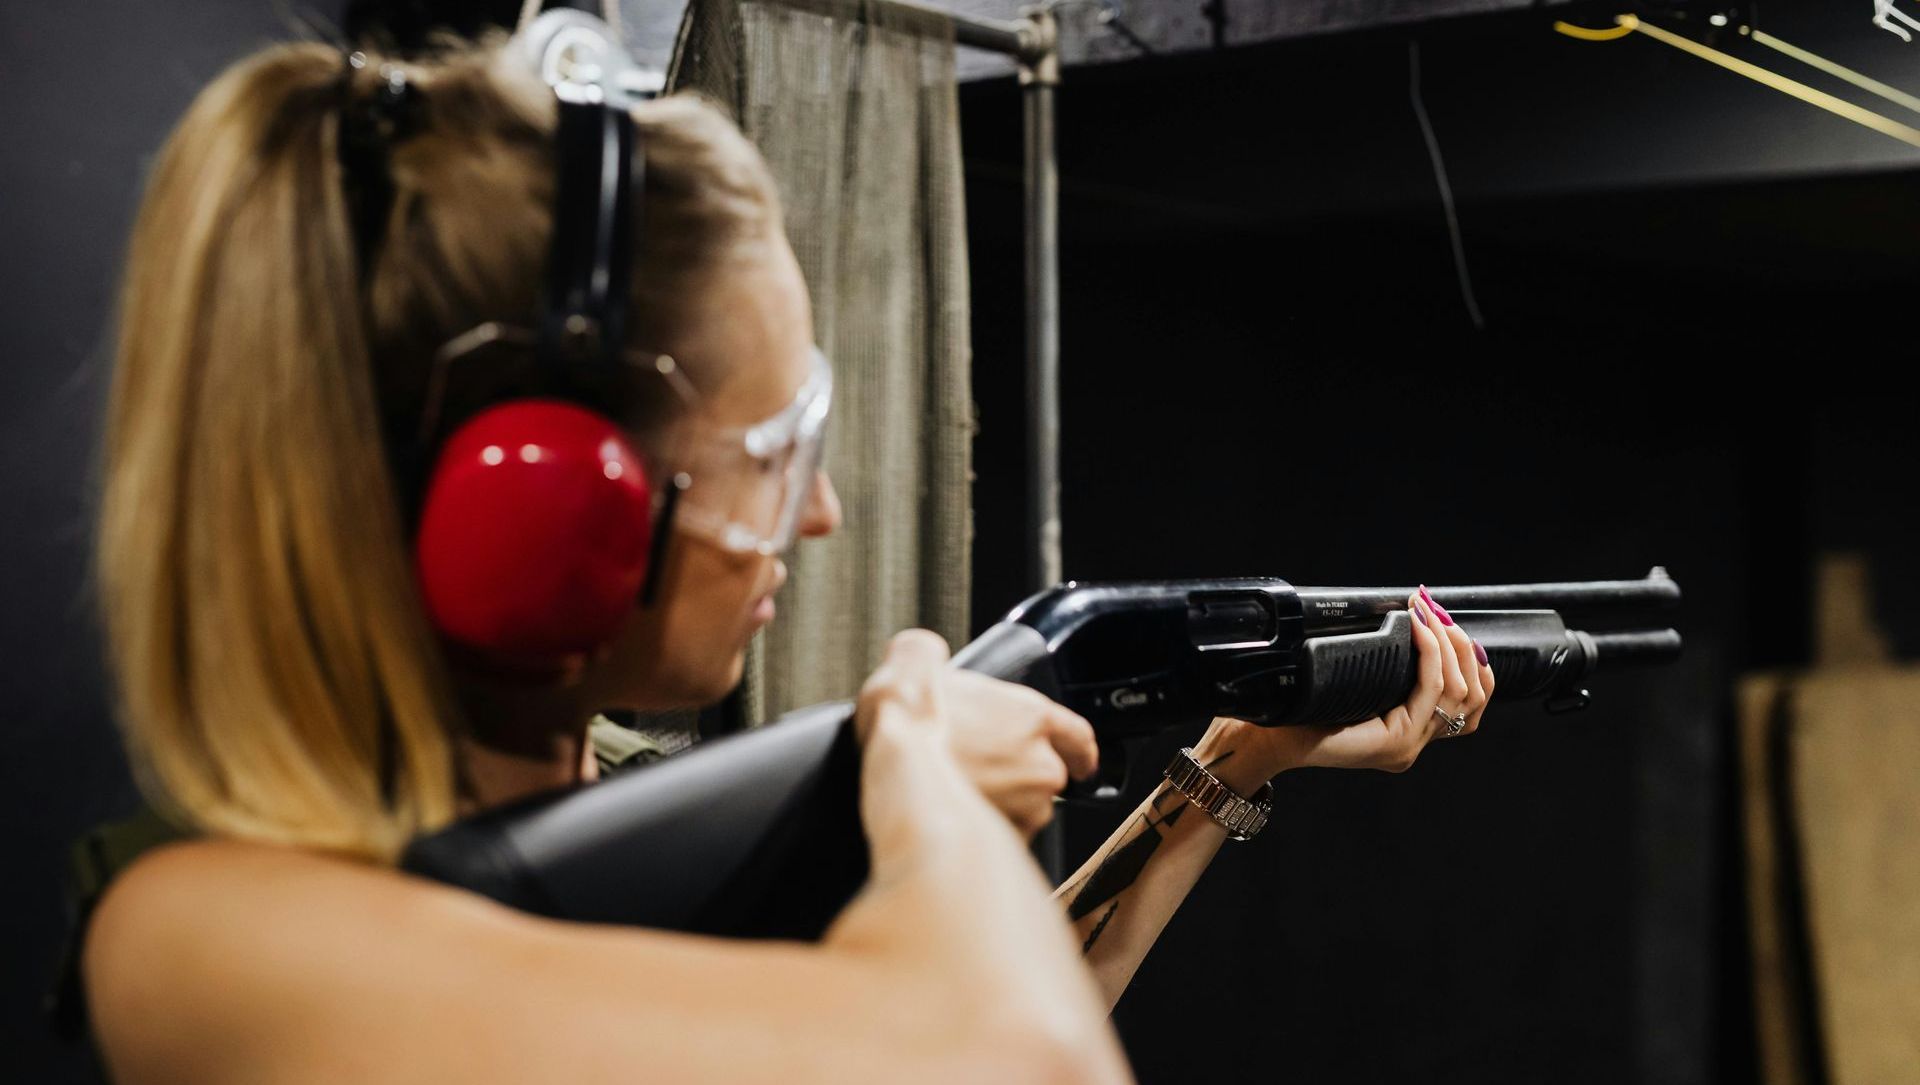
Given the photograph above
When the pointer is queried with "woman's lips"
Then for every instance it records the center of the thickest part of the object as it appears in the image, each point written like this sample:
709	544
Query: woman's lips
763	607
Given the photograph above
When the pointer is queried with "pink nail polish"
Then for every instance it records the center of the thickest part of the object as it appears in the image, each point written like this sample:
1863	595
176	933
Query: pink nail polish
1445	618
1420	612
1479	653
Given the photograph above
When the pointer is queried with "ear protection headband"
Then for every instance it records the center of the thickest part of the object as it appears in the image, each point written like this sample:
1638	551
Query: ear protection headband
537	528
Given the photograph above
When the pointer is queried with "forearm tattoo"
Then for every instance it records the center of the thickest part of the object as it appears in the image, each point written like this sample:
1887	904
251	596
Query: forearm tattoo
1121	866
1094	935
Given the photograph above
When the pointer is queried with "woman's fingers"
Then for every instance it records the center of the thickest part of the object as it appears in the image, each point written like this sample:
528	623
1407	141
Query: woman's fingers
1426	695
1475	674
1474	670
1073	739
904	682
1030	726
1017	746
913	658
1470	670
1454	696
1486	688
917	650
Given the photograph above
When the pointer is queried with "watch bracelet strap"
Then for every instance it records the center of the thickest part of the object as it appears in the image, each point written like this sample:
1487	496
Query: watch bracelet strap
1241	817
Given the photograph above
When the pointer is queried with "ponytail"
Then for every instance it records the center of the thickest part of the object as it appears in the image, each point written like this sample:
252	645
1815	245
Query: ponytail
276	676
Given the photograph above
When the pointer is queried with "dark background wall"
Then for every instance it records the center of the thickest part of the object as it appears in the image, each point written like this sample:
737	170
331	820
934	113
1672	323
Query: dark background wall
90	91
1691	287
1694	291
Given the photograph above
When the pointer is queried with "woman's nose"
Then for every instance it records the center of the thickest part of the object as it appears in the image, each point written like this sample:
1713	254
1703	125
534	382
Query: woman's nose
822	514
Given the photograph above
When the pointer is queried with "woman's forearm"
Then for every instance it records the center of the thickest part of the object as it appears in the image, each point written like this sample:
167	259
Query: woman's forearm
1120	899
961	913
1123	896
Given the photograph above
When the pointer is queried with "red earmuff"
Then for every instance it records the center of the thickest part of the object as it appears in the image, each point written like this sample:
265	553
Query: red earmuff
534	534
535	528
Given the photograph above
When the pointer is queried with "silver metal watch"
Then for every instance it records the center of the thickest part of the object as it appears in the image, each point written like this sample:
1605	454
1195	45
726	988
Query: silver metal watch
1242	818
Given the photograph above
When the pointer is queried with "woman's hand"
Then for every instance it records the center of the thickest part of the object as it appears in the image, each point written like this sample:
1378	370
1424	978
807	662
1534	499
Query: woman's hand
1016	746
1454	677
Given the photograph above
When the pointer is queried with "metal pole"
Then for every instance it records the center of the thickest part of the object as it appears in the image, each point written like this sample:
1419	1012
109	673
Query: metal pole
993	35
990	35
1039	75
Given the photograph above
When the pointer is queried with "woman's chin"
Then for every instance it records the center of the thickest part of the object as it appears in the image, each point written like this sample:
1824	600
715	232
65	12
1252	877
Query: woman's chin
687	687
711	685
736	669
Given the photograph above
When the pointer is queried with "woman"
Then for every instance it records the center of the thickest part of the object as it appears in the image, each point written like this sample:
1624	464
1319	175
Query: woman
283	693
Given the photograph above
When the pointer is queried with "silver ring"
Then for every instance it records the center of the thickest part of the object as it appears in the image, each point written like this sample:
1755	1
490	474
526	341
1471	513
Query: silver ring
1455	724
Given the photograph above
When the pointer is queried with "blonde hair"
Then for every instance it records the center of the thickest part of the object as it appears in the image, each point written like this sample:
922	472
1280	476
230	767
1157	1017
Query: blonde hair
277	679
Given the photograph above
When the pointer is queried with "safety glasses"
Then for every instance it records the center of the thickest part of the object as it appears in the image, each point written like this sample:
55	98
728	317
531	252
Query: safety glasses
742	488
749	485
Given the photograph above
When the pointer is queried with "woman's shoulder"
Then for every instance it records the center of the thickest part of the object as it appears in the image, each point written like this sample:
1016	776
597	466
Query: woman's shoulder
203	900
196	937
211	888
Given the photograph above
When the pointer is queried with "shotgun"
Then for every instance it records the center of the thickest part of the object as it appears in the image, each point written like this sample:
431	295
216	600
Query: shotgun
758	834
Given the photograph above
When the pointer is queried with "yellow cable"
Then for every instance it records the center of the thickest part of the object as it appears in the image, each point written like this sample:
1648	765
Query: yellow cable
1837	106
1584	33
1866	83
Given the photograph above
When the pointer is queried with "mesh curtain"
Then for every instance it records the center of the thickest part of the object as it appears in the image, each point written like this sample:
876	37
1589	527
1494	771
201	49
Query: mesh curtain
854	106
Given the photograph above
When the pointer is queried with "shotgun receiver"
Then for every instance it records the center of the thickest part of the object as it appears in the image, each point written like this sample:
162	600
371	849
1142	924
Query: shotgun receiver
758	834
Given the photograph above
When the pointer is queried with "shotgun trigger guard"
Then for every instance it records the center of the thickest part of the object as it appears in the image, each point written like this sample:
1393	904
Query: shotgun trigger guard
1568	699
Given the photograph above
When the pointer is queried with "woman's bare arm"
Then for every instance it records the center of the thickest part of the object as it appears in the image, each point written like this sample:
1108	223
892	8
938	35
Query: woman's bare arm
227	962
223	961
1122	897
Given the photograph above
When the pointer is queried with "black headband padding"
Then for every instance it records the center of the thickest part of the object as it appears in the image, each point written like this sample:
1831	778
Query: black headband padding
589	264
406	27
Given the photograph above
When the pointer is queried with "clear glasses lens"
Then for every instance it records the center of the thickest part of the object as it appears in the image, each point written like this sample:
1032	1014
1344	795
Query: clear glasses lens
750	486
